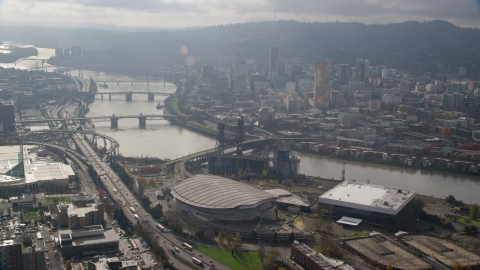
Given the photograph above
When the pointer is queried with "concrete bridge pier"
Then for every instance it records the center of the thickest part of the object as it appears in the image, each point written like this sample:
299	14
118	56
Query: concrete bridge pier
118	82
128	96
151	97
101	96
109	97
142	122
104	143
114	122
131	82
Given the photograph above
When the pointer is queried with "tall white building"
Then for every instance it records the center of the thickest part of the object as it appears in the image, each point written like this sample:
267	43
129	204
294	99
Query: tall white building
389	73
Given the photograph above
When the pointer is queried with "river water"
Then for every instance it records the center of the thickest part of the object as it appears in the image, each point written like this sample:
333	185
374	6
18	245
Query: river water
163	140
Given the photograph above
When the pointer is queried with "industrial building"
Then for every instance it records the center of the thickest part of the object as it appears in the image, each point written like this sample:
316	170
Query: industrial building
311	260
443	251
213	197
22	170
379	205
85	241
228	164
381	252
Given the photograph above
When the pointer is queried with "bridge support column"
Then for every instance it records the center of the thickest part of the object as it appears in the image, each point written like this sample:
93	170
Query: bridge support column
132	83
128	96
109	97
151	97
104	143
101	96
142	121
114	122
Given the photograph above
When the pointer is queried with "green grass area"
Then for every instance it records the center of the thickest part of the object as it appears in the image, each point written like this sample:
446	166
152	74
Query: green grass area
32	216
174	105
199	125
182	90
243	261
186	263
51	200
472	222
355	234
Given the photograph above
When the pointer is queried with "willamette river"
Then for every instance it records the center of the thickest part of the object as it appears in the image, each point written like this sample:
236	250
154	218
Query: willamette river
163	140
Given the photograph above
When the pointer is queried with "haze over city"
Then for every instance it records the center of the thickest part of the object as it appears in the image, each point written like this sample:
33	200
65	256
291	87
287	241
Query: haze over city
160	14
249	135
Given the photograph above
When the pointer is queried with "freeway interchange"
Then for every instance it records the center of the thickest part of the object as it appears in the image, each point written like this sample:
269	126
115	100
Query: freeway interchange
120	193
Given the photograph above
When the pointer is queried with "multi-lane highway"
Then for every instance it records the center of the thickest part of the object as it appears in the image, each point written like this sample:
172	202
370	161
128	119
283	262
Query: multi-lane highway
121	194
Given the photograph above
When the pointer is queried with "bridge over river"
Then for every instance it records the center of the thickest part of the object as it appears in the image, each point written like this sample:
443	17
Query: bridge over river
113	119
129	95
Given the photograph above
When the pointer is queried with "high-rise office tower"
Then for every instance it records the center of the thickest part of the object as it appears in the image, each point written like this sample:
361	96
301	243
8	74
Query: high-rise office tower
207	71
76	52
360	69
296	70
58	53
365	68
273	66
34	259
8	116
10	255
343	74
321	88
241	71
238	59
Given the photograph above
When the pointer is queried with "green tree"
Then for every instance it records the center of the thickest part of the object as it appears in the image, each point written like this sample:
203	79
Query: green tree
474	211
68	265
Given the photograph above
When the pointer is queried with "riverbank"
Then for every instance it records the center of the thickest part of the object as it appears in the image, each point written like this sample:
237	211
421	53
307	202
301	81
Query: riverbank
388	163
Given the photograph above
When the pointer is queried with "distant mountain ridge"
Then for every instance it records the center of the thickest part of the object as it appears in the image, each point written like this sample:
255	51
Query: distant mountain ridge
436	46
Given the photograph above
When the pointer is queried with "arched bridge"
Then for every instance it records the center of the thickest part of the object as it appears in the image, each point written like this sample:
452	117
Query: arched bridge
113	119
129	95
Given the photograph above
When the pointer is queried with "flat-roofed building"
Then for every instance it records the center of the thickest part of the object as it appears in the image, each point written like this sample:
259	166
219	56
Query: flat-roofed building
376	204
311	260
87	241
70	216
21	170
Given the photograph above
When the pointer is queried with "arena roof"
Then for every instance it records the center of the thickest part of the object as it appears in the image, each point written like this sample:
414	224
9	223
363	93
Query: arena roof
209	191
369	197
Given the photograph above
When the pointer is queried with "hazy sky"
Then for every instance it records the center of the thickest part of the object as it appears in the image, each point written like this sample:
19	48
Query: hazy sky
184	13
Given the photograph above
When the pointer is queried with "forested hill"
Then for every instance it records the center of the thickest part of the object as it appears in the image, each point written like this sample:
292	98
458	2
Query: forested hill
436	46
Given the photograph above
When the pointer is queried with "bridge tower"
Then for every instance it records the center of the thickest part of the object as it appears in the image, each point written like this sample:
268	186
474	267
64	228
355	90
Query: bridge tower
142	121
114	122
221	141
240	135
128	96
151	96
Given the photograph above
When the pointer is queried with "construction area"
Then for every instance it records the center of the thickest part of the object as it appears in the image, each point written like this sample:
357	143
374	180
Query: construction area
381	252
441	250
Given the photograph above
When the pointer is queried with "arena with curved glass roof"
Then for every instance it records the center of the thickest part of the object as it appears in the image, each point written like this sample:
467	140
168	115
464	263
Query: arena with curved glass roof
215	197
